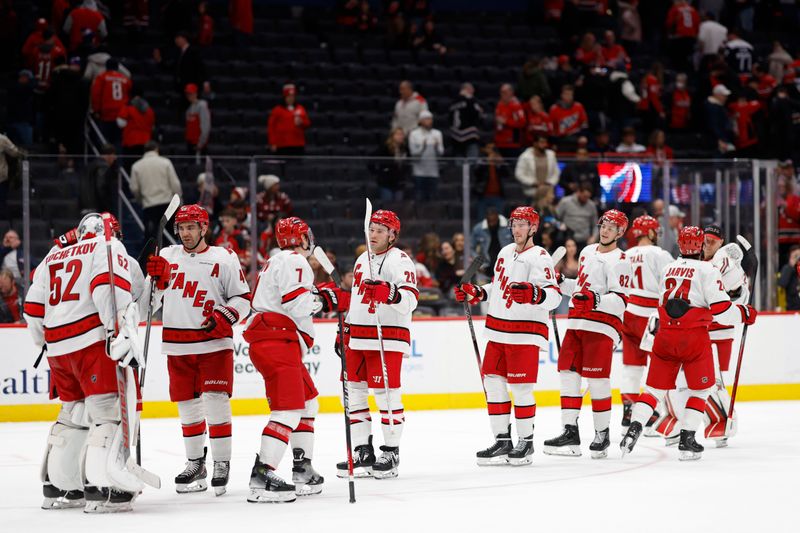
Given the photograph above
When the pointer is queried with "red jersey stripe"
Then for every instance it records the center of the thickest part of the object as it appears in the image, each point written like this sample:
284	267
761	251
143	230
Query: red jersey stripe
102	279
289	296
184	336
73	329
390	333
643	301
526	327
34	309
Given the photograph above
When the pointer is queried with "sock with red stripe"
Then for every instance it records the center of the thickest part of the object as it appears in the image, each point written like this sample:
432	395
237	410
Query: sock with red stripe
498	402
360	418
276	435
524	408
600	391
695	409
193	425
218	412
303	436
648	400
570	397
631	383
391	435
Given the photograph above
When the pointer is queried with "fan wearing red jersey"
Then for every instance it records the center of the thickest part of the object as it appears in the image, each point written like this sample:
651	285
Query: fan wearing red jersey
521	295
691	297
204	294
594	327
392	295
647	262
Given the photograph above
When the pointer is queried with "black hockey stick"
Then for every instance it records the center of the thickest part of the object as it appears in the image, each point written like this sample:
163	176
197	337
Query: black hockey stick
467	278
558	255
319	253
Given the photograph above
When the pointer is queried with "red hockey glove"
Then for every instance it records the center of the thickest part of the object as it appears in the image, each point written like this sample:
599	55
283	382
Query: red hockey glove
559	277
68	239
159	270
344	300
340	340
380	292
220	323
526	293
467	292
586	300
749	314
329	299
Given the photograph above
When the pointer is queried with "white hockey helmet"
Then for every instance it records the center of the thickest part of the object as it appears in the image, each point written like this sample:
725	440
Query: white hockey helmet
91	225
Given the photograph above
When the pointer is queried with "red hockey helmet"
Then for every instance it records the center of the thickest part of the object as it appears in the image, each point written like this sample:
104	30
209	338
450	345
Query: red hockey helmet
524	212
642	226
386	218
613	216
191	213
289	233
690	240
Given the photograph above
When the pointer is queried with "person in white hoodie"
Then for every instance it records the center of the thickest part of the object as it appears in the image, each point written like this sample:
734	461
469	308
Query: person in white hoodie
425	145
537	166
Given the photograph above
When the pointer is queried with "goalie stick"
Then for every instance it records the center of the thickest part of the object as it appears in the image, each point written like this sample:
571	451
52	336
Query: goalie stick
319	254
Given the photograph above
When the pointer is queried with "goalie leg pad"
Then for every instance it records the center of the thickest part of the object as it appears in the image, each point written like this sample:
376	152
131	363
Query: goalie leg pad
61	465
106	462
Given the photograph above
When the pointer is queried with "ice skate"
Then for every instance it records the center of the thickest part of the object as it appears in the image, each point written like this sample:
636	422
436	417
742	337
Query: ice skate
567	444
363	461
106	500
522	454
689	449
630	438
267	487
219	479
307	481
627	411
385	466
497	453
193	477
600	444
55	498
650	427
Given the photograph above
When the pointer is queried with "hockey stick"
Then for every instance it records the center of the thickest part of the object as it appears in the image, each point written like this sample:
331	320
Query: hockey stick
466	278
319	253
171	208
558	255
751	264
372	309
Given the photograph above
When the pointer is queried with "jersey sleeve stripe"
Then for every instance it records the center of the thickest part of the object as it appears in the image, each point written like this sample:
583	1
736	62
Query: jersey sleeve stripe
289	296
246	296
643	301
412	290
720	307
598	316
73	329
621	295
34	309
103	279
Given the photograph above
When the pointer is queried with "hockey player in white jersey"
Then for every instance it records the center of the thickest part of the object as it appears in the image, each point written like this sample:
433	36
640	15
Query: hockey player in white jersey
691	296
594	328
204	294
392	296
70	316
647	261
521	294
279	333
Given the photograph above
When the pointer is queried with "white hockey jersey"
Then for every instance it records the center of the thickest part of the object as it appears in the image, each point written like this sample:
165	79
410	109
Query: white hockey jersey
68	306
607	274
646	269
509	322
200	282
735	282
284	286
393	266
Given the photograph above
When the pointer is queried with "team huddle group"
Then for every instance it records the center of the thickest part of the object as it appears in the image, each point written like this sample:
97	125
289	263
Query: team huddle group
675	314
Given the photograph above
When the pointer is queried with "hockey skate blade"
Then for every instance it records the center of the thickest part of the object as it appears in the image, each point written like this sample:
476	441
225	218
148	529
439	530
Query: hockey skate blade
672	441
721	443
388	474
266	496
57	504
650	431
102	507
600	454
572	450
308	490
687	455
187	488
219	491
360	472
500	460
522	461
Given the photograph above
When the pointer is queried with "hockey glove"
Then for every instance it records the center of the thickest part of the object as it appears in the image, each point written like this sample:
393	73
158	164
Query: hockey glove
559	278
381	292
526	293
329	299
340	340
219	324
467	292
160	270
68	239
125	347
749	314
586	300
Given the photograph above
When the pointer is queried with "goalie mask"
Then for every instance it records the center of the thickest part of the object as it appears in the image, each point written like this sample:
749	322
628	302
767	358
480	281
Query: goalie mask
91	225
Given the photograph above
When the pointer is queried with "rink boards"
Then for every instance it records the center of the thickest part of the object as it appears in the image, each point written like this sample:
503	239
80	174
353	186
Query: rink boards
440	373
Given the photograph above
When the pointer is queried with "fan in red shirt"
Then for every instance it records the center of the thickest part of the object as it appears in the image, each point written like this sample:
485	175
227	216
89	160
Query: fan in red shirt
110	93
136	119
230	236
682	25
589	52
287	125
568	118
205	32
765	84
273	204
537	121
742	112
509	118
613	54
650	105
788	210
680	104
240	13
85	17
44	61
40	34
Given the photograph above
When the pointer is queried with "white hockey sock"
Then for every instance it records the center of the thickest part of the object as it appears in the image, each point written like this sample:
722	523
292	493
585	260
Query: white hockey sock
360	419
498	402
193	424
275	436
571	398
391	435
524	408
631	380
600	390
695	409
218	409
644	407
303	436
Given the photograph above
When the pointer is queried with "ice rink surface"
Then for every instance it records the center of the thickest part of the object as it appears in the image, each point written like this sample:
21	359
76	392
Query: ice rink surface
749	486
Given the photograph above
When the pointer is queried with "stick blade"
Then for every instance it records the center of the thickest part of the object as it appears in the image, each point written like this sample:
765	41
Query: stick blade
171	208
367	216
558	255
323	259
744	243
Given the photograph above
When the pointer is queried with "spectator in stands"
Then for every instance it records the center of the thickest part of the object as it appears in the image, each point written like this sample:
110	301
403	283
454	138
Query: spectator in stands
613	54
630	24
137	121
11	258
272	204
489	236
738	53
568	118
457	240
788	204
20	116
589	53
763	83
66	103
205	25
424	278
683	23
601	143
240	13
44	63
536	168
96	64
205	194
239	204
544	204
629	144
11	299
396	29
230	236
780	61
788	279
153	183
98	189
347	12
784	130
425	145
408	108
287	124
658	148
563	75
87	16
579	215
40	34
592	93
449	271
110	94
490	173
657	209
744	115
466	115
579	170
710	37
198	122
188	66
391	171
367	21
537	121
717	120
570	265
428	251
427	38
670	240
8	150
680	108
651	106
509	119
532	81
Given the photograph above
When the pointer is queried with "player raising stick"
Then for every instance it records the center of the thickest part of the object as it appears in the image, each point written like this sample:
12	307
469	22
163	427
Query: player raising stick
521	295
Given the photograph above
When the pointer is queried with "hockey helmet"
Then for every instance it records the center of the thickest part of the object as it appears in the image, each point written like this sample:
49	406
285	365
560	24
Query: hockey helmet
289	233
191	213
613	216
386	218
524	212
642	225
690	240
91	225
